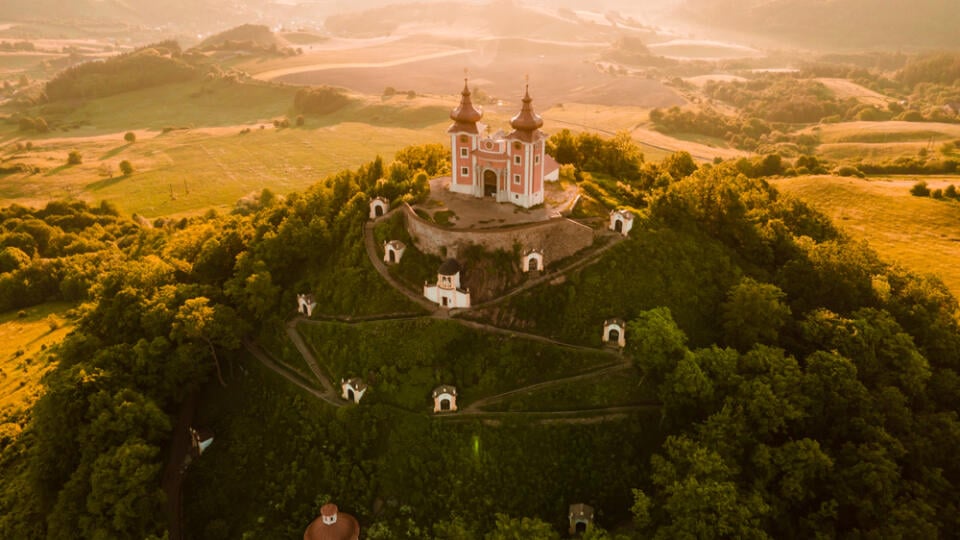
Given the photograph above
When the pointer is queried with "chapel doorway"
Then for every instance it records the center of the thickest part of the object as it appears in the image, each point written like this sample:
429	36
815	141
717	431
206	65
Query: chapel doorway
350	395
444	404
614	335
618	226
489	183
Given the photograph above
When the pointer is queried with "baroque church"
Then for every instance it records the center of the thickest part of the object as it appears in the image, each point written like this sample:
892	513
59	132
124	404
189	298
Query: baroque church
507	167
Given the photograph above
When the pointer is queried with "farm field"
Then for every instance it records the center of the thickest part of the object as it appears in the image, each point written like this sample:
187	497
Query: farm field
920	233
202	161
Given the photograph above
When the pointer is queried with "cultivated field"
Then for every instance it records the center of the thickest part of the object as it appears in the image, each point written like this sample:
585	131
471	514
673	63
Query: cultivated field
920	233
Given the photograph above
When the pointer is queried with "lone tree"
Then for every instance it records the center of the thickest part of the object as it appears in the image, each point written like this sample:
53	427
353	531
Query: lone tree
126	168
130	137
74	158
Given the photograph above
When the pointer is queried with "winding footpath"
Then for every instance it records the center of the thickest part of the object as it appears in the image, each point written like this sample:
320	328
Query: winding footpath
328	393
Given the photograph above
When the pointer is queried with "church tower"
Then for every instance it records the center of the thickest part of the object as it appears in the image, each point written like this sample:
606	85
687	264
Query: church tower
464	140
526	149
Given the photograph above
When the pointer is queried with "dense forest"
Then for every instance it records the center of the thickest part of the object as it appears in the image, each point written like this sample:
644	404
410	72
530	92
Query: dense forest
802	387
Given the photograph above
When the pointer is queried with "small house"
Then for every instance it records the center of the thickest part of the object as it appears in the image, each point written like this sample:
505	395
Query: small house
614	331
581	517
444	399
621	221
379	207
352	389
532	260
447	292
305	304
393	251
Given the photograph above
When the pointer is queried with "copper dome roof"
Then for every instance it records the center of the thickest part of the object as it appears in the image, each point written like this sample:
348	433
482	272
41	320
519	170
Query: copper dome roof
526	119
466	113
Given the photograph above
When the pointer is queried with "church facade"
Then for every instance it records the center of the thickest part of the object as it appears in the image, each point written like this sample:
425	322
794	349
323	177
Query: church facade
509	167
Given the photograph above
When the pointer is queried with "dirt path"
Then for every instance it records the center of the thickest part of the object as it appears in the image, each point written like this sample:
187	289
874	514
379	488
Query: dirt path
477	406
473	410
577	416
374	257
589	259
265	359
308	357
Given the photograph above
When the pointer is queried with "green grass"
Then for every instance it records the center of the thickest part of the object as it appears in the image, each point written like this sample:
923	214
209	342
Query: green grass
920	233
211	165
404	360
23	356
615	389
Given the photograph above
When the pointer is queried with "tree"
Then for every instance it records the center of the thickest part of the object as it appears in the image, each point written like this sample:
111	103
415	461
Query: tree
509	528
74	158
130	137
126	168
215	325
753	313
679	165
655	342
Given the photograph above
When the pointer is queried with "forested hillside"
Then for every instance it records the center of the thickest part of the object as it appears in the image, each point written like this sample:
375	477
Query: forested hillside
802	386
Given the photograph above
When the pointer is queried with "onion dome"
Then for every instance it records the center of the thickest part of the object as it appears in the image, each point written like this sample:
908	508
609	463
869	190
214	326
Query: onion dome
465	113
526	119
450	267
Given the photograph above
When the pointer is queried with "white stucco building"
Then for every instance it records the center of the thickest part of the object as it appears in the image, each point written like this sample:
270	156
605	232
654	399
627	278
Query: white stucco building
532	260
621	221
393	251
447	292
305	304
353	389
444	399
614	332
379	207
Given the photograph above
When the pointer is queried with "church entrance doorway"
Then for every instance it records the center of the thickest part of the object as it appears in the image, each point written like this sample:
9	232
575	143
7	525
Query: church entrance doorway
489	183
444	404
393	256
618	226
614	335
350	395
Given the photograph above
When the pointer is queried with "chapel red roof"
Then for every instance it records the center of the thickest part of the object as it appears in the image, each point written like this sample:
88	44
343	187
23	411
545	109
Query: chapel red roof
345	527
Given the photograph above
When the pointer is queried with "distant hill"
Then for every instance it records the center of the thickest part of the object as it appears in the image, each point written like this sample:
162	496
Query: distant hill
153	65
244	37
888	24
497	19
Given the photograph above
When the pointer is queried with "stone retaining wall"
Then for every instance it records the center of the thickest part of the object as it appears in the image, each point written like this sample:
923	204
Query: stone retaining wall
558	238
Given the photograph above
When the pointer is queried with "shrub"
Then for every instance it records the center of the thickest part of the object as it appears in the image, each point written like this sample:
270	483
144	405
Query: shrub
74	158
848	170
920	189
950	192
126	168
130	137
937	194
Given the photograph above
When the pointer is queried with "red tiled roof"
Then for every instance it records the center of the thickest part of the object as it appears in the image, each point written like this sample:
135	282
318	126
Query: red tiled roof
345	528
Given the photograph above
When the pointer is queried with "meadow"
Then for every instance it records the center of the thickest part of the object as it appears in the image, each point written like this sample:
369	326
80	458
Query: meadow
190	154
25	337
920	233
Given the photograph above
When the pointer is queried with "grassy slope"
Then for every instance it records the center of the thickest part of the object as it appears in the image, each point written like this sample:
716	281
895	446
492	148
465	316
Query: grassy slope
410	358
20	373
207	166
918	232
882	141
